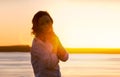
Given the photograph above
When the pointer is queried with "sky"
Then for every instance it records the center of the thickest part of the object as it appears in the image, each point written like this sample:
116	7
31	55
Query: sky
77	23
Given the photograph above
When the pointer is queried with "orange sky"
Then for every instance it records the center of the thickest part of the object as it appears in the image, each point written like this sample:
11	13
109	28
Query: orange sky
78	23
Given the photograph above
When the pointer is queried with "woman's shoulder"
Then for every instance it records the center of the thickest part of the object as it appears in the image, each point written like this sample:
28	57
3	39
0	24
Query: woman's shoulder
36	43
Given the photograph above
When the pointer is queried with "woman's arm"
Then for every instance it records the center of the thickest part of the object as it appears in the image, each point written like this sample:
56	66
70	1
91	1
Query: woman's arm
61	52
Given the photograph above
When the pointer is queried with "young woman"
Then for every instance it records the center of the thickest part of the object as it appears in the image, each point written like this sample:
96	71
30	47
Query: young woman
46	50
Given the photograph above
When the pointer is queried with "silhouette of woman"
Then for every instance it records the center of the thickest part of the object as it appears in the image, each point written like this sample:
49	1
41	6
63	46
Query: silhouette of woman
46	50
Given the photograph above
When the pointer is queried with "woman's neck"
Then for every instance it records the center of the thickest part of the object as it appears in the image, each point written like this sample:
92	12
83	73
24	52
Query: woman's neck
41	37
45	37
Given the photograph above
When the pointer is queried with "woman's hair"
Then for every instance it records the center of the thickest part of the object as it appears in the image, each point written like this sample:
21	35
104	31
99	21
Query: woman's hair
36	27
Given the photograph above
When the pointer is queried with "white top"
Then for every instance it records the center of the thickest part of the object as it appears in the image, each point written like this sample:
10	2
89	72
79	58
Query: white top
44	60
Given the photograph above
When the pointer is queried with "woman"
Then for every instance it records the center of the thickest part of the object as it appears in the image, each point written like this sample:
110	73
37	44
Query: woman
46	50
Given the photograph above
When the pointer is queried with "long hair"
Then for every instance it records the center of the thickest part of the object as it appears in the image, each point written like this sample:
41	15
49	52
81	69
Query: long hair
36	28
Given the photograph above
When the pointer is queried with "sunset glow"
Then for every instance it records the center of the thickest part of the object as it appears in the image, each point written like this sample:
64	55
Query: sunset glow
78	23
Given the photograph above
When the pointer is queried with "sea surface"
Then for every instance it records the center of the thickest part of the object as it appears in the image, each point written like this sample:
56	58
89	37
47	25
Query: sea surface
17	64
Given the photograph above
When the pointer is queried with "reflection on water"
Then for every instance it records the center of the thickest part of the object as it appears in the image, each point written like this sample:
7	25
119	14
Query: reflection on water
17	64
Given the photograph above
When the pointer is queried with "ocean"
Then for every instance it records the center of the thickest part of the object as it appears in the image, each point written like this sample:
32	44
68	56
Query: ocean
17	64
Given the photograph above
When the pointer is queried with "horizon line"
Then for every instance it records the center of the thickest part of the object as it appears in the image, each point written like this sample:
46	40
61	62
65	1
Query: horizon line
64	46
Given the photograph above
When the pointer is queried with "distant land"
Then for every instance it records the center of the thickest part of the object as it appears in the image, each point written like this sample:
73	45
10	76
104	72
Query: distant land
15	48
26	48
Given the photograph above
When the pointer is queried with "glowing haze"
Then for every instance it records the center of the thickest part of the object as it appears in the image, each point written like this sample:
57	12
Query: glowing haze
78	23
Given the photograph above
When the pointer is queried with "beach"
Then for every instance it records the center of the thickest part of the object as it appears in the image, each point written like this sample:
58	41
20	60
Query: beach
17	64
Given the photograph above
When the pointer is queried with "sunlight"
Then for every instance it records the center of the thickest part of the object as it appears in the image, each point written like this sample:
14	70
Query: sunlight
88	25
78	24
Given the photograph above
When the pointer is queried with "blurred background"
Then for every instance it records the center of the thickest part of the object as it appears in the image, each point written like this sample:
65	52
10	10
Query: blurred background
78	23
88	29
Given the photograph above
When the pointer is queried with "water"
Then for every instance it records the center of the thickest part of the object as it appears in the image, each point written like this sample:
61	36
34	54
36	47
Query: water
17	64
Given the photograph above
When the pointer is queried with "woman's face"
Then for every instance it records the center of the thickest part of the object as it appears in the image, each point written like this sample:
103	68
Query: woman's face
45	24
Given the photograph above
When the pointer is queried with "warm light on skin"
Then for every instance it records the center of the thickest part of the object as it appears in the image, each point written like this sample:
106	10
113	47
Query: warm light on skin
77	23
